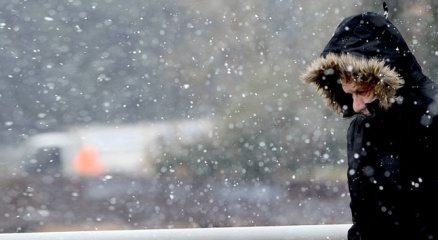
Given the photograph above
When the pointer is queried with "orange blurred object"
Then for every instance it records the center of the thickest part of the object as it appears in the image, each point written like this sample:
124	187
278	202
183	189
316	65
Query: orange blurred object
88	163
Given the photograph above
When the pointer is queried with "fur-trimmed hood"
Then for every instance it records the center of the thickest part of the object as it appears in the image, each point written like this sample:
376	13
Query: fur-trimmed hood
326	72
370	50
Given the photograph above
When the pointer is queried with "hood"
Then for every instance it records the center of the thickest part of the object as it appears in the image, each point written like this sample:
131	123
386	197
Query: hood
369	49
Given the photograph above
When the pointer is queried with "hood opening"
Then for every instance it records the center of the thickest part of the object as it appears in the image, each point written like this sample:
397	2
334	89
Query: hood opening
326	73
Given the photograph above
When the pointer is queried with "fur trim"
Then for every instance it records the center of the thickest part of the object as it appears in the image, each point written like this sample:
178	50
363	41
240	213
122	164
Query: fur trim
371	73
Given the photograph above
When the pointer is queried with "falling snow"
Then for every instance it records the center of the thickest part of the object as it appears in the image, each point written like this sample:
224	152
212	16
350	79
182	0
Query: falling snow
151	114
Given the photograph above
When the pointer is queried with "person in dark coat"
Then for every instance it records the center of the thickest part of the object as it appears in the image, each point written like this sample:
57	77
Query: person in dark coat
367	73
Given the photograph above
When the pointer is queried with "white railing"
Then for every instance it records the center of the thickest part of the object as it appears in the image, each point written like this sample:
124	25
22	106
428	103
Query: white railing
299	232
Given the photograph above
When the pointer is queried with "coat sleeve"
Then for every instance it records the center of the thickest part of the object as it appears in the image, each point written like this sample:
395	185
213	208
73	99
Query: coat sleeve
354	142
425	201
361	157
353	233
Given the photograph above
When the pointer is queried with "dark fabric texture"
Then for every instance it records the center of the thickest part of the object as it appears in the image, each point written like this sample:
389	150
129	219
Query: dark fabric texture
392	154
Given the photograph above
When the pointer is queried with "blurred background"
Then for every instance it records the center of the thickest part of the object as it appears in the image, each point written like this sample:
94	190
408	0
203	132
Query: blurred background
163	114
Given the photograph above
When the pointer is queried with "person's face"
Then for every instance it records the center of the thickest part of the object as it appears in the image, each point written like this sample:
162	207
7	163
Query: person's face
360	95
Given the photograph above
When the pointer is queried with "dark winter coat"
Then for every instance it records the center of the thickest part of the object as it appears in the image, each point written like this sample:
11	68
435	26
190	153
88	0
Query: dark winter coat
393	153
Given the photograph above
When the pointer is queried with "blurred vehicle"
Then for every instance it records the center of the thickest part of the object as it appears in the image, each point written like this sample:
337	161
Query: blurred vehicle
100	150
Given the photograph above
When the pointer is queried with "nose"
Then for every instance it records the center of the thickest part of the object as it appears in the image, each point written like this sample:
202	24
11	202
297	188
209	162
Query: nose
358	103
